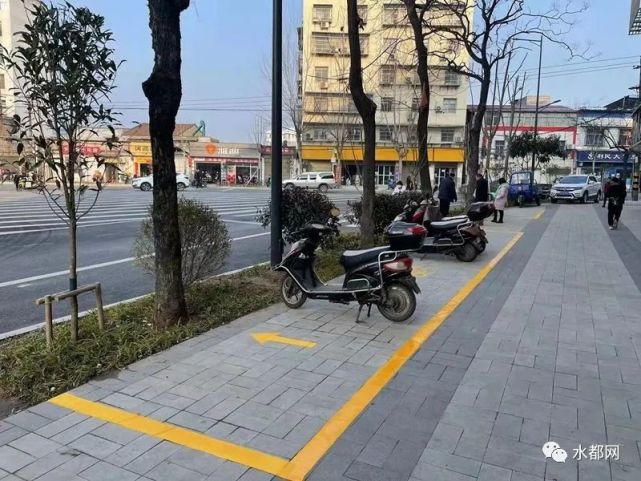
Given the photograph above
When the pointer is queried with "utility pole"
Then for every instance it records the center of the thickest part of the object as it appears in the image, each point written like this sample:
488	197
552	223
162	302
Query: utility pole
277	135
536	114
635	170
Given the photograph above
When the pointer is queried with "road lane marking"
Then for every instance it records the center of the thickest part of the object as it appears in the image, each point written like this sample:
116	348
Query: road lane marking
168	432
102	265
33	327
539	215
307	458
265	337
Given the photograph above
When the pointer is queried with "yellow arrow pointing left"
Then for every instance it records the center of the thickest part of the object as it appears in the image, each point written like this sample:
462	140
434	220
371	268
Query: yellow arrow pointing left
265	337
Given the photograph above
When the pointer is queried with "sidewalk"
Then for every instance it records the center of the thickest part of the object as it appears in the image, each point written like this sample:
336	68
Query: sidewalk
536	341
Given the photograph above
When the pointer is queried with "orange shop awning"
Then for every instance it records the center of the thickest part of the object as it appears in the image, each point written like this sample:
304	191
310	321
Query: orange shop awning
383	154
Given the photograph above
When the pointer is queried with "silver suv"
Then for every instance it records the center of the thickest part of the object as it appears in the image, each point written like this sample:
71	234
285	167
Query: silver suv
323	181
577	187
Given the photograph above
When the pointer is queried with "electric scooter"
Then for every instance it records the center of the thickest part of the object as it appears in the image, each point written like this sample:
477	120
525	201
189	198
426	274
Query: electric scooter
381	276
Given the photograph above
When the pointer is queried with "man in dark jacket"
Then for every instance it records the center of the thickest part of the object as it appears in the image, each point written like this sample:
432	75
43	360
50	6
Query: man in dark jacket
482	188
616	195
447	194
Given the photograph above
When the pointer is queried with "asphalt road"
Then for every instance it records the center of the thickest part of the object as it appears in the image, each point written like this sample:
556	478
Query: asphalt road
34	246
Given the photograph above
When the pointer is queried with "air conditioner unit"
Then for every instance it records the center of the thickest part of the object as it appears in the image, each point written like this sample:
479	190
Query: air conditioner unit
324	25
337	50
438	109
308	137
458	140
409	81
324	85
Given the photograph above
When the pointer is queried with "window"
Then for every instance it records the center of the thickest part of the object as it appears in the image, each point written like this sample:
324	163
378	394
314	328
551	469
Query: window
327	176
322	13
321	104
625	136
416	103
2	86
322	75
351	106
320	134
594	137
447	135
392	15
449	106
386	133
499	149
389	46
562	145
387	104
451	78
353	134
362	13
388	75
321	44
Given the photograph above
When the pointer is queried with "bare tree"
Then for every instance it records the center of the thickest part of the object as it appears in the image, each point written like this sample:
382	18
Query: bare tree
416	15
489	39
367	110
163	89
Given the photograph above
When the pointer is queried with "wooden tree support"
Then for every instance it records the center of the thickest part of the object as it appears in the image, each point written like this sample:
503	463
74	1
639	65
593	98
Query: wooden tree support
61	296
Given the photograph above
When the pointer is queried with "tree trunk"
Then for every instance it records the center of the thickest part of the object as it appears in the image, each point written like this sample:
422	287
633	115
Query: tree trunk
73	277
474	138
422	70
163	89
367	110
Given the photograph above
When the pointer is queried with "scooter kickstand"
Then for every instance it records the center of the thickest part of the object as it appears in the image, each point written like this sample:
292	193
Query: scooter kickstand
369	310
358	315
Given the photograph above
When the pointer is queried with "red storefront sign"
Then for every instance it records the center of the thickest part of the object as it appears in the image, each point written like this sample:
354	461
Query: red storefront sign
267	150
225	160
85	149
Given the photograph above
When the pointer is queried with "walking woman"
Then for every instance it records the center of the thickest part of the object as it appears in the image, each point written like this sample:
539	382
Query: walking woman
500	199
616	195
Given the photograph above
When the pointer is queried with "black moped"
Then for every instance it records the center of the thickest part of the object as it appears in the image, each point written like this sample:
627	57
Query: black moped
381	276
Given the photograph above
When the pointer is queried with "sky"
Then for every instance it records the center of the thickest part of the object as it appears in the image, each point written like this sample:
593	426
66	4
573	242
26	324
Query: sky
226	45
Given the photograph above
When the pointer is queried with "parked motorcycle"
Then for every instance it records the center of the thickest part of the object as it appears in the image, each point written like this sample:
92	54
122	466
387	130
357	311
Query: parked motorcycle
199	184
461	236
381	276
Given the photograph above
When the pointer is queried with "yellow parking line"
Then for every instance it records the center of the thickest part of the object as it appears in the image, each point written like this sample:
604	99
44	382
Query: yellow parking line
181	436
301	465
539	215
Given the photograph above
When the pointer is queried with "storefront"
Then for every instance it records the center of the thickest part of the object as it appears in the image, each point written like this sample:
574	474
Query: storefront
389	167
141	153
226	164
608	163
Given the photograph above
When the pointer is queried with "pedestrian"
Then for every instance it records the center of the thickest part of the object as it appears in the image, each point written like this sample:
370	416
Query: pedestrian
606	187
409	184
482	188
447	194
500	199
615	195
16	180
399	188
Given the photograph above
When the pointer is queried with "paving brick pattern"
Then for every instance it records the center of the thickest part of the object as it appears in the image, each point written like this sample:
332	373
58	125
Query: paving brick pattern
560	363
269	397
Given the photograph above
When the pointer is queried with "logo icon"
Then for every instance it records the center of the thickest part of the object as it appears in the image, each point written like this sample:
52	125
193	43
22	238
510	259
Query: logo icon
554	451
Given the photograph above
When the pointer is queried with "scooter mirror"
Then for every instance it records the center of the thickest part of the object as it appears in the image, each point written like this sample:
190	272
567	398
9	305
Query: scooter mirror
335	212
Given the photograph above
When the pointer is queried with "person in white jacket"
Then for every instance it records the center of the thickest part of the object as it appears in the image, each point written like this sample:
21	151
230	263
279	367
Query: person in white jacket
399	188
500	199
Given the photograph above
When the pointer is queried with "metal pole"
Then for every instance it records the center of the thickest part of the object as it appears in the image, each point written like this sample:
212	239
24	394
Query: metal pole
536	114
277	134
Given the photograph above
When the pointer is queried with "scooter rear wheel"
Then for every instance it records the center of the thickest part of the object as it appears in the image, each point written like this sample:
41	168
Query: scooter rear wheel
400	302
467	252
291	293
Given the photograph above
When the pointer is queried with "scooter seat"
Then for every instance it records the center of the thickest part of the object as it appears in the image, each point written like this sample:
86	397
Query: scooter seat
448	224
351	259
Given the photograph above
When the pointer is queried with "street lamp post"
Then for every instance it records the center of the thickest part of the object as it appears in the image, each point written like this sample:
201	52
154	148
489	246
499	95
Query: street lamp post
277	135
536	113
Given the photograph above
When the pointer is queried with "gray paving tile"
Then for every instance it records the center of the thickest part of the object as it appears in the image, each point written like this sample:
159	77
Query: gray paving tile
69	470
151	458
35	445
28	420
102	471
196	461
94	446
167	470
11	459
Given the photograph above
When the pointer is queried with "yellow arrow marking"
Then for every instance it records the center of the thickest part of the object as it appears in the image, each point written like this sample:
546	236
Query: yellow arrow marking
419	272
265	337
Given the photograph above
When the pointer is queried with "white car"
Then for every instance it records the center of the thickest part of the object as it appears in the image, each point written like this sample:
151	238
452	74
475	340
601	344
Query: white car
577	187
147	183
323	181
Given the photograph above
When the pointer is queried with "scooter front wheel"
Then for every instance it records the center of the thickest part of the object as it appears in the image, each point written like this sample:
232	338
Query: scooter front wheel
399	304
291	293
467	252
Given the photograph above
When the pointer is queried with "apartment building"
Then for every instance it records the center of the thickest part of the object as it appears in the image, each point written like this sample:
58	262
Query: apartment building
333	133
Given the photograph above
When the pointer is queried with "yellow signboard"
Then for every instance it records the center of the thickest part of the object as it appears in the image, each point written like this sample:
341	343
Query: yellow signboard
140	149
383	154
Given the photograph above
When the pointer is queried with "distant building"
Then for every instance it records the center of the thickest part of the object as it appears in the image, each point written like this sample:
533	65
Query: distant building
333	131
288	137
635	17
604	138
519	117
